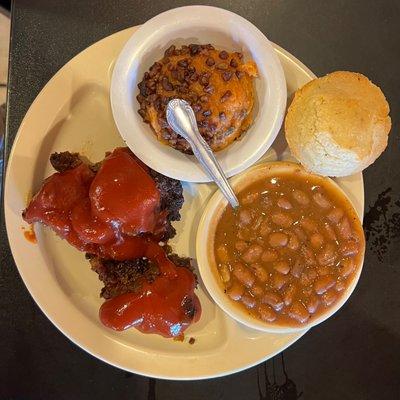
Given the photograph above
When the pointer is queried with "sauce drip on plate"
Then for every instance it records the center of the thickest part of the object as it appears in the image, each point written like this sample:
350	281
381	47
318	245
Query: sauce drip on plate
30	235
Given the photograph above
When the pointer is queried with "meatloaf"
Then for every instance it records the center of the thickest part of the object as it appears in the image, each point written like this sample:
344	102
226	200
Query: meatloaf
127	276
171	192
121	277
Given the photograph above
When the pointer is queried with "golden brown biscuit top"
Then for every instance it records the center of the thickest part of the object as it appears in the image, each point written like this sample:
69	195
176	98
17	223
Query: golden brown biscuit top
217	84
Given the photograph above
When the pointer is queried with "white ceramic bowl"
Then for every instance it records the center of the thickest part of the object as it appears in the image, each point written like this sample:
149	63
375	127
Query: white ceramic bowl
206	259
197	24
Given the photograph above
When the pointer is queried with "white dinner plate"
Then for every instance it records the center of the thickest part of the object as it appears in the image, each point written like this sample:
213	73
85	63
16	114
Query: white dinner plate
73	112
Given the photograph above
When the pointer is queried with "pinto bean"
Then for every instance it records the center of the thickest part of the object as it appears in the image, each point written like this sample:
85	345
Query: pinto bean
323	270
329	232
248	301
257	291
284	203
309	225
269	255
252	253
289	294
324	283
346	267
260	241
308	255
311	274
298	267
256	225
294	242
266	313
244	234
236	291
349	248
298	312
344	228
224	273
278	239
260	272
312	304
279	281
321	200
300	234
335	215
282	266
282	220
327	255
340	285
329	297
241	245
245	217
316	240
250	198
265	228
266	202
243	274
291	248
304	279
222	254
300	197
273	299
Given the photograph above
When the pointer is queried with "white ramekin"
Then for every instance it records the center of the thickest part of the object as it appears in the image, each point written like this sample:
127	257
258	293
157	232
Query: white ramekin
206	259
197	24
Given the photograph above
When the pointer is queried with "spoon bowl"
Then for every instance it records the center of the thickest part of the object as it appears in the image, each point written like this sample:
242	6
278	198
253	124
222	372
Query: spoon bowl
181	119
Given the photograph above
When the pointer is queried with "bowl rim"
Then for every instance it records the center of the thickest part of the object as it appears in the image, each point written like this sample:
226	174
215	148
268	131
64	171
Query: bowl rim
213	210
168	161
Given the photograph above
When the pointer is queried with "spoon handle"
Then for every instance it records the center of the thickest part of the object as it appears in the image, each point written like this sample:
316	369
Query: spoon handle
207	159
182	120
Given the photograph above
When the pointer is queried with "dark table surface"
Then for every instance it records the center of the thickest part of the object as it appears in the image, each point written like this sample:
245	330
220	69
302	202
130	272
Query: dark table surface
354	355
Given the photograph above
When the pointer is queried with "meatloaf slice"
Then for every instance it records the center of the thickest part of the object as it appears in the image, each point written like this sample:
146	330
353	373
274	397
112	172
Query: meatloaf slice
121	277
171	192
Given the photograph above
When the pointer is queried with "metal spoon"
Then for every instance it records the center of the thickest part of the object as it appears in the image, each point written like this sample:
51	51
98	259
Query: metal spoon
182	120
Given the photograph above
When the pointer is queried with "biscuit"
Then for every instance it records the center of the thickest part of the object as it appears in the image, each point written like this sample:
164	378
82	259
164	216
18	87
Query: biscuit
338	125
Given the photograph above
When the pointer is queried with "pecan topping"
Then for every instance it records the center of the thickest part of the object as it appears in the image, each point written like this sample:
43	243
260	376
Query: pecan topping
226	96
226	76
210	61
223	55
166	84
